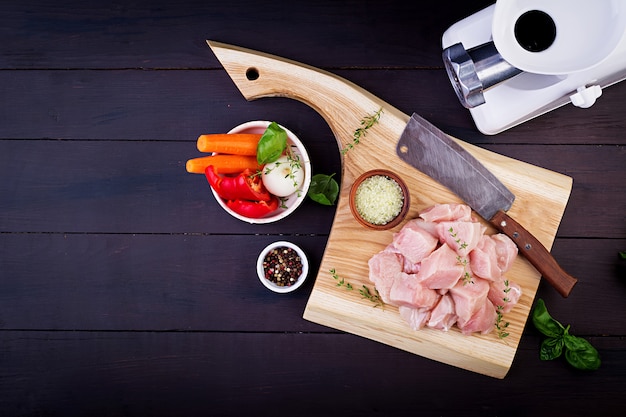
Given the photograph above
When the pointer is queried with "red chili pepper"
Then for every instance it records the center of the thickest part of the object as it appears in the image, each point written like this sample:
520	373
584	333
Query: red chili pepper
253	209
244	186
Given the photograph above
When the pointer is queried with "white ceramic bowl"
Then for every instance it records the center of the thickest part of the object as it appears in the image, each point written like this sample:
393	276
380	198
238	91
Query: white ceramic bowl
269	284
294	200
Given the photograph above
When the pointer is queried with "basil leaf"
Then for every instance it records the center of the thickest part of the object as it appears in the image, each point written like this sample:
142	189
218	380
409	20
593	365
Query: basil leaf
587	359
323	189
551	348
576	343
580	353
272	144
544	322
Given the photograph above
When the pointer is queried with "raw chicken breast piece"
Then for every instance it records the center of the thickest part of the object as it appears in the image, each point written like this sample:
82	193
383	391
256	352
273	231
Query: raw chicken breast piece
414	243
441	269
501	294
484	259
430	227
383	268
407	291
468	298
443	316
416	318
447	212
506	251
410	267
482	321
461	236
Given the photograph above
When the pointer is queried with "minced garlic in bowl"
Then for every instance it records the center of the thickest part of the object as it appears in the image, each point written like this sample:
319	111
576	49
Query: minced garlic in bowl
379	199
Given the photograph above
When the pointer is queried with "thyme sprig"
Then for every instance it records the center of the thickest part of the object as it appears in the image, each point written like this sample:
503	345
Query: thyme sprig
467	277
340	281
500	324
462	245
367	122
364	291
374	298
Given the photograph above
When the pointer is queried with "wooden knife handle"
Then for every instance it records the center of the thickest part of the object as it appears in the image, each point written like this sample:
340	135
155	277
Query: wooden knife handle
535	252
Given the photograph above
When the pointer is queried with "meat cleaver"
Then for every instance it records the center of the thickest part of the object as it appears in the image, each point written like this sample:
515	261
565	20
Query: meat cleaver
431	151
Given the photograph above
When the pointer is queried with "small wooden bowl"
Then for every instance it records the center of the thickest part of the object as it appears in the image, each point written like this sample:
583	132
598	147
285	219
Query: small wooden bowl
405	203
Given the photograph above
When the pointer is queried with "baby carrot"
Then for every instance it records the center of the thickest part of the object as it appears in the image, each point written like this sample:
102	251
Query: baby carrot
224	164
230	143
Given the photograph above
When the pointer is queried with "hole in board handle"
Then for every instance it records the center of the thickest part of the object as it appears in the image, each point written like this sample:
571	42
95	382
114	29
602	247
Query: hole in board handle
252	74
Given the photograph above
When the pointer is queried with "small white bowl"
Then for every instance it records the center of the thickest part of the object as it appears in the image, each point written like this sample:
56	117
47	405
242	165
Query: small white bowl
294	200
269	284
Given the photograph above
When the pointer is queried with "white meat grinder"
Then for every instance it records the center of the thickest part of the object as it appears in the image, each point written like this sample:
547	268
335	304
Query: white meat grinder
518	59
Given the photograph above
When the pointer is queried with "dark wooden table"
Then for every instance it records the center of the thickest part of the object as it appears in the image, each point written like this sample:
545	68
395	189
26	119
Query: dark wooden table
126	290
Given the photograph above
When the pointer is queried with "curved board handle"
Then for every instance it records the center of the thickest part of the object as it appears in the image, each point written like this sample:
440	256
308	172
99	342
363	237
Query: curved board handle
341	103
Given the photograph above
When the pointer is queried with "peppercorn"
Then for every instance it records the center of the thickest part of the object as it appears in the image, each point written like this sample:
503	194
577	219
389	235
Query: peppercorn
282	266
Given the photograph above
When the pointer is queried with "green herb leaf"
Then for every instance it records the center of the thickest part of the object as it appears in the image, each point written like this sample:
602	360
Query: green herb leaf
575	343
272	144
544	322
341	282
622	254
365	292
366	123
578	351
551	348
323	189
375	298
586	359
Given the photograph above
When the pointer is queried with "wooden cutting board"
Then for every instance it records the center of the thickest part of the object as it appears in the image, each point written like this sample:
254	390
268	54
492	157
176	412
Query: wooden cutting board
541	197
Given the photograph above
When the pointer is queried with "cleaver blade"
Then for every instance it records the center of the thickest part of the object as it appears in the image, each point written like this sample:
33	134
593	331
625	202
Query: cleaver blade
431	151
